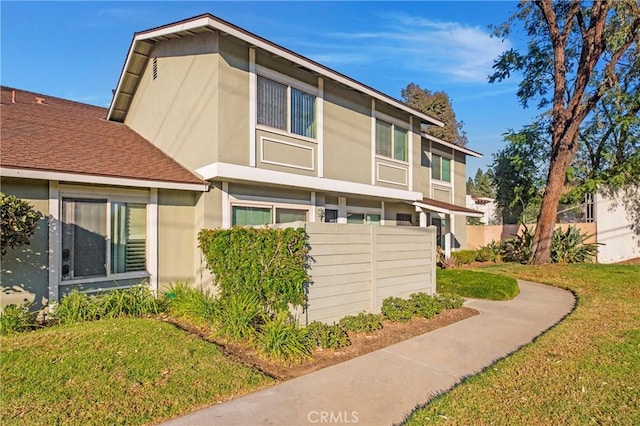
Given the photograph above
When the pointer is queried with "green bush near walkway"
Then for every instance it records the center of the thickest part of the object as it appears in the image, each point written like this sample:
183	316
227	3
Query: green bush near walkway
476	285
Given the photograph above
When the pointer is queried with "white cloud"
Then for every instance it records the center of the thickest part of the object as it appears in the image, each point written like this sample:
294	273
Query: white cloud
453	50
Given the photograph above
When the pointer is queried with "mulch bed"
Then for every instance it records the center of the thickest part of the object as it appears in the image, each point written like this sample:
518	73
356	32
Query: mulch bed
361	343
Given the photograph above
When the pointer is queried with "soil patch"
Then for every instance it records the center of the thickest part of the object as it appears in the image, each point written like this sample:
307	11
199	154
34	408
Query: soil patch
635	261
361	343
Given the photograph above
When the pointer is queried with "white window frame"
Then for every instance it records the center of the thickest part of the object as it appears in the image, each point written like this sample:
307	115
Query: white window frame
451	172
357	210
290	83
112	195
394	123
273	205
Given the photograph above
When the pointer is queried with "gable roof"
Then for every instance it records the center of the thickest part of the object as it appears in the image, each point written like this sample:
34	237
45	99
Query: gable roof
143	42
41	134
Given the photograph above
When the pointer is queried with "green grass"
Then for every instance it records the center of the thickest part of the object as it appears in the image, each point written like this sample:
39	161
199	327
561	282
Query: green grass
119	371
477	285
586	370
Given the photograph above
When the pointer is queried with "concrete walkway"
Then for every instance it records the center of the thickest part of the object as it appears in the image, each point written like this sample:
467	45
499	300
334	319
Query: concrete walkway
382	387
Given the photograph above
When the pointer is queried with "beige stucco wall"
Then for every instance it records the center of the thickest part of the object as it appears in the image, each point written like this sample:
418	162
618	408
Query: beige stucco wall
24	273
391	209
177	245
178	111
234	99
481	235
347	135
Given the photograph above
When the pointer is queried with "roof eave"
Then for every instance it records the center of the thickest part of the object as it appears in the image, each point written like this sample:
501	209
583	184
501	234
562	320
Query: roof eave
215	23
452	145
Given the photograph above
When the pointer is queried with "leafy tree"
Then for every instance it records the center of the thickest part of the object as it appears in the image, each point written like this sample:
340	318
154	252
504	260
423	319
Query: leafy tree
438	105
19	222
577	53
516	174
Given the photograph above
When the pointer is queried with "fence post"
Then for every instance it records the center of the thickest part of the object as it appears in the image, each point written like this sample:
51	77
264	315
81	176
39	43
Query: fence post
372	267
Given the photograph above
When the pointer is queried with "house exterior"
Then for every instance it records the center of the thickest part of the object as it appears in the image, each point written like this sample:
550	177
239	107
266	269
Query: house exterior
256	134
283	138
485	205
617	217
116	210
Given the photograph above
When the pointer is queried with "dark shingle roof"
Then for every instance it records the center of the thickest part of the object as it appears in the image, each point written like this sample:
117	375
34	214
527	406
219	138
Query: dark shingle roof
59	135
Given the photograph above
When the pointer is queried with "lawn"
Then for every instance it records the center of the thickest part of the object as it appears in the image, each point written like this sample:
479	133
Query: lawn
586	370
477	285
122	371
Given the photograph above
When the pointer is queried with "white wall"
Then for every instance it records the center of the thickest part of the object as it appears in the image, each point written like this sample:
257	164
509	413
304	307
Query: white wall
618	225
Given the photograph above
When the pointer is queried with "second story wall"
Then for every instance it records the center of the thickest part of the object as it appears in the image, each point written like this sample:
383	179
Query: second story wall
176	102
347	134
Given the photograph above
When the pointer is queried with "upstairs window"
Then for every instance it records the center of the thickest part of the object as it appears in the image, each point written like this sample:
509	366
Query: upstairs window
440	168
286	108
391	141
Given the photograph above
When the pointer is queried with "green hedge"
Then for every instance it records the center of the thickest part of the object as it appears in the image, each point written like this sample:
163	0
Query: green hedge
477	285
268	263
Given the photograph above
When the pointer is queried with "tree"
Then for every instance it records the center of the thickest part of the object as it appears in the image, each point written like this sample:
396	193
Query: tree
19	222
481	185
516	173
577	52
438	105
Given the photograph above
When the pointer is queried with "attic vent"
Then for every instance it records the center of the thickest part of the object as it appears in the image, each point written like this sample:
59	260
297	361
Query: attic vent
155	68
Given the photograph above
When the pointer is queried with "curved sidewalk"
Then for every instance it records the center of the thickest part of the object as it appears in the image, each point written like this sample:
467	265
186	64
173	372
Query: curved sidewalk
382	387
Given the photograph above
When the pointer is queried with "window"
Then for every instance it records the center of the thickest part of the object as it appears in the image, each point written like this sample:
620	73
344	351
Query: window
404	219
440	168
363	218
391	141
286	108
290	215
252	216
242	216
85	232
331	216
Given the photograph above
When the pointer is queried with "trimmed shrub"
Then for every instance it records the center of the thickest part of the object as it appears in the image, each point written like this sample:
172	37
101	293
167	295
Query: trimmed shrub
268	263
425	305
464	257
18	220
327	336
363	322
450	300
14	318
492	252
281	339
397	309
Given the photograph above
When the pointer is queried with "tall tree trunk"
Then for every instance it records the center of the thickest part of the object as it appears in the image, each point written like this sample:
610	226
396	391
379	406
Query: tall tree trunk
560	160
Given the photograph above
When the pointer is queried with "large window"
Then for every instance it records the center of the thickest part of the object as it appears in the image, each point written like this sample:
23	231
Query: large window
391	141
252	216
440	168
286	108
92	245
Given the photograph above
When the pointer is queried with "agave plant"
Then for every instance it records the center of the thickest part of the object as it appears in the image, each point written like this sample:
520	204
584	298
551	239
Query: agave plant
519	248
569	246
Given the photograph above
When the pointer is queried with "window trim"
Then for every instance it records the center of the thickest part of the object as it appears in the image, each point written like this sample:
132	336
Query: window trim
235	202
289	82
111	195
394	122
451	161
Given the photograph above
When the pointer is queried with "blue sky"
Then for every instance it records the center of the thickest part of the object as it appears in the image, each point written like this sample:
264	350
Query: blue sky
76	50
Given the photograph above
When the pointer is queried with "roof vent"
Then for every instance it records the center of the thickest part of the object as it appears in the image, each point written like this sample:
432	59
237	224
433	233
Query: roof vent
13	96
39	100
155	68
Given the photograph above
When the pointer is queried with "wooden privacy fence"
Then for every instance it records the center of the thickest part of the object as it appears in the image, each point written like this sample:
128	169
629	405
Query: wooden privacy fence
355	267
